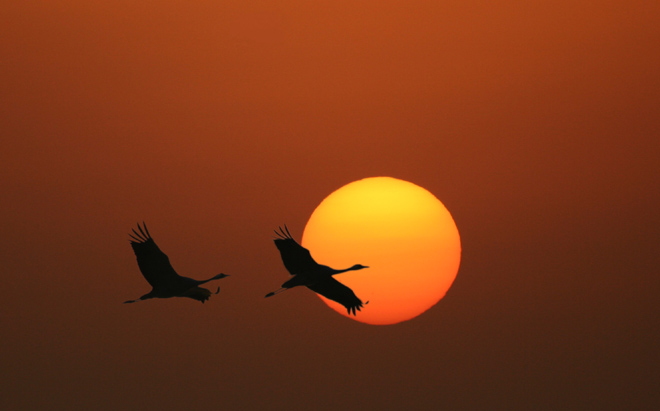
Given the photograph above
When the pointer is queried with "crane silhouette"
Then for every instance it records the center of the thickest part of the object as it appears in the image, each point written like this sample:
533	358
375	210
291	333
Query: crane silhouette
318	278
157	270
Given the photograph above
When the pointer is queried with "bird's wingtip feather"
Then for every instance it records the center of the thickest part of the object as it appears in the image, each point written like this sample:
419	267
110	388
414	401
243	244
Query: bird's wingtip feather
146	229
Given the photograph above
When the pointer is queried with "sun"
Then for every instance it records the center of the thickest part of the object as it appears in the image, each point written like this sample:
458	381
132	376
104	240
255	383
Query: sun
401	231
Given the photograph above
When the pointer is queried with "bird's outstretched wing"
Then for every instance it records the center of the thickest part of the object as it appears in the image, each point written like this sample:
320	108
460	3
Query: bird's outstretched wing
154	264
296	258
336	291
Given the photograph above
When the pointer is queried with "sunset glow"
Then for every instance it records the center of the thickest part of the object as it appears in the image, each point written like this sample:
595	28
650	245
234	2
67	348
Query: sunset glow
401	231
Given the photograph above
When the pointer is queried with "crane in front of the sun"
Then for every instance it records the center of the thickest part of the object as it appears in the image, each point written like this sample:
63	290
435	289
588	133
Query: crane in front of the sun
318	278
157	270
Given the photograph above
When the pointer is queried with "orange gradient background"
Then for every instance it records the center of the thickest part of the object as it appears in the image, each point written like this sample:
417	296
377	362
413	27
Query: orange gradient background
535	122
401	231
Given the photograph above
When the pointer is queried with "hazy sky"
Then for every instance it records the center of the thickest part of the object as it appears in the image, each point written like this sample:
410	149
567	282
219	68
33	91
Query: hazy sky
537	124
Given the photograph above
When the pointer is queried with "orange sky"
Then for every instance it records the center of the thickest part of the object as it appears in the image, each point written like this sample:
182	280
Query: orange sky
535	123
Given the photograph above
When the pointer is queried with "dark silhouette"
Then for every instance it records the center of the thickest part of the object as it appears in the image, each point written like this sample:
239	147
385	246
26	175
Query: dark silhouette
318	278
157	270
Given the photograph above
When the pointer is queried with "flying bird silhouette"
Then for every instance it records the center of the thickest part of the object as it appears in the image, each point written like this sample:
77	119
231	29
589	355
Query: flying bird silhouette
318	278
157	270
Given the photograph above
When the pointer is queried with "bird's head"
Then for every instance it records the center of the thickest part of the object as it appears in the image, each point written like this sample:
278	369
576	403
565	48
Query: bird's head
221	275
359	267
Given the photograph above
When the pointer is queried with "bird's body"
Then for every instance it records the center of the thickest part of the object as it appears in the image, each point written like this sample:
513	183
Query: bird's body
307	272
159	273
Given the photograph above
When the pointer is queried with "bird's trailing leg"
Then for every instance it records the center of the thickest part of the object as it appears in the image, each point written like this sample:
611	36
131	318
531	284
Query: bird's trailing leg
144	297
217	291
276	292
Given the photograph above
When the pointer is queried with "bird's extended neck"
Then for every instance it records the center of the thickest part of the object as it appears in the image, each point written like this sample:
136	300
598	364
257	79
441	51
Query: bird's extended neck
341	271
217	277
353	268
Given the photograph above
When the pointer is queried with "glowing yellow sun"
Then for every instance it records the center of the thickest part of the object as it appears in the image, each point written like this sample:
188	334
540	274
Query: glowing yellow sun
401	231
